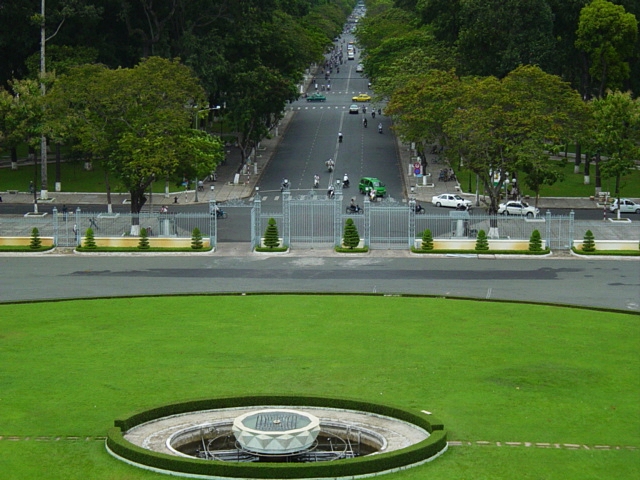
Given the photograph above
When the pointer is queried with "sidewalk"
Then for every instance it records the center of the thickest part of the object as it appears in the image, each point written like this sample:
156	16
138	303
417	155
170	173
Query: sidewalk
226	187
428	186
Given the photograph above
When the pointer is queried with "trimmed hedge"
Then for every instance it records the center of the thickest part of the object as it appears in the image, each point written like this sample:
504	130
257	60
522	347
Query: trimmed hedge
356	466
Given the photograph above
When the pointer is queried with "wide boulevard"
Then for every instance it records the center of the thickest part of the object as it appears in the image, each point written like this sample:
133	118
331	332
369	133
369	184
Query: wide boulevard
310	139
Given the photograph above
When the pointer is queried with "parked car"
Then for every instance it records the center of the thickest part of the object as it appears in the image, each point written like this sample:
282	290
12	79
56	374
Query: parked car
363	97
354	109
449	200
360	68
518	208
626	206
368	183
316	97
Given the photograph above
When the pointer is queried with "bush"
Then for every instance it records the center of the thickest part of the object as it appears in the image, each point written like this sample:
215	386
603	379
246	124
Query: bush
144	240
89	240
535	242
271	236
482	244
351	236
588	243
36	242
196	239
427	240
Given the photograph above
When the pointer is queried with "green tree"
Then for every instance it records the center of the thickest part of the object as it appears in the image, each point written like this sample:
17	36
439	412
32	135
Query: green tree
89	240
496	36
608	35
617	134
143	244
535	242
496	122
588	242
136	121
482	243
351	237
271	236
427	240
36	242
196	239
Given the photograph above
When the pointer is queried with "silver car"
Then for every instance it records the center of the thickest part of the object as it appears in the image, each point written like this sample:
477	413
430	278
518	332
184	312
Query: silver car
518	208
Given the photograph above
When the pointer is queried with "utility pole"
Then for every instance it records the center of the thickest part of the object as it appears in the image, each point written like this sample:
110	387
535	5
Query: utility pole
44	194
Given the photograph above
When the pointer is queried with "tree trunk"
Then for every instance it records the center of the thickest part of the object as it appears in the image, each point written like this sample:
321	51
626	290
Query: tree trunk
14	158
578	161
587	161
107	185
598	179
58	185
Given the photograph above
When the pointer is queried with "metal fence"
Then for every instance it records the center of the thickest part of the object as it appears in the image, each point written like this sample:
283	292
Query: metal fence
313	221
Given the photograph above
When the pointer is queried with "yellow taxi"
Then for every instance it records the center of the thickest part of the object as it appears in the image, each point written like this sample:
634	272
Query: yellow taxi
363	97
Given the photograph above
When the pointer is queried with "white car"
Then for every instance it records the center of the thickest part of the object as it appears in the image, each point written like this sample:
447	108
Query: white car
518	208
354	109
450	200
626	206
360	68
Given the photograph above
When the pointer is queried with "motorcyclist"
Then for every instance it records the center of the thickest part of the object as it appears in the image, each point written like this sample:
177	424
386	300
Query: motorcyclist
418	208
331	191
330	164
285	184
345	181
364	122
316	181
340	137
373	114
380	128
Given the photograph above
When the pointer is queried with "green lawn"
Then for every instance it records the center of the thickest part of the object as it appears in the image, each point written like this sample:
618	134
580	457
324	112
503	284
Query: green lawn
572	184
496	372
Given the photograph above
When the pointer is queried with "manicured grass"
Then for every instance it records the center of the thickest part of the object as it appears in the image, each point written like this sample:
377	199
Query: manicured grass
571	186
491	371
73	178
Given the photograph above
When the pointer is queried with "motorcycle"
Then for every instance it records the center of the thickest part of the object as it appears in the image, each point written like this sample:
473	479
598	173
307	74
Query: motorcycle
285	185
316	181
364	122
380	128
354	209
418	209
340	138
345	182
331	192
330	164
220	213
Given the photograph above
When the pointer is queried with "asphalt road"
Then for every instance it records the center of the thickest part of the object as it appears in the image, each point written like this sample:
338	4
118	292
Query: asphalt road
595	283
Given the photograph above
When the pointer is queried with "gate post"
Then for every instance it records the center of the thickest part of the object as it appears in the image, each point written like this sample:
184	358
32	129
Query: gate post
548	225
55	226
286	218
213	225
337	216
76	228
367	221
572	217
412	219
256	212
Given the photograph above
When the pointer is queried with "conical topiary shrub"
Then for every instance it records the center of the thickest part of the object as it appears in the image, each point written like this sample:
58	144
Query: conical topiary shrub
589	242
271	236
482	244
427	240
535	242
351	236
36	241
196	239
143	244
89	240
